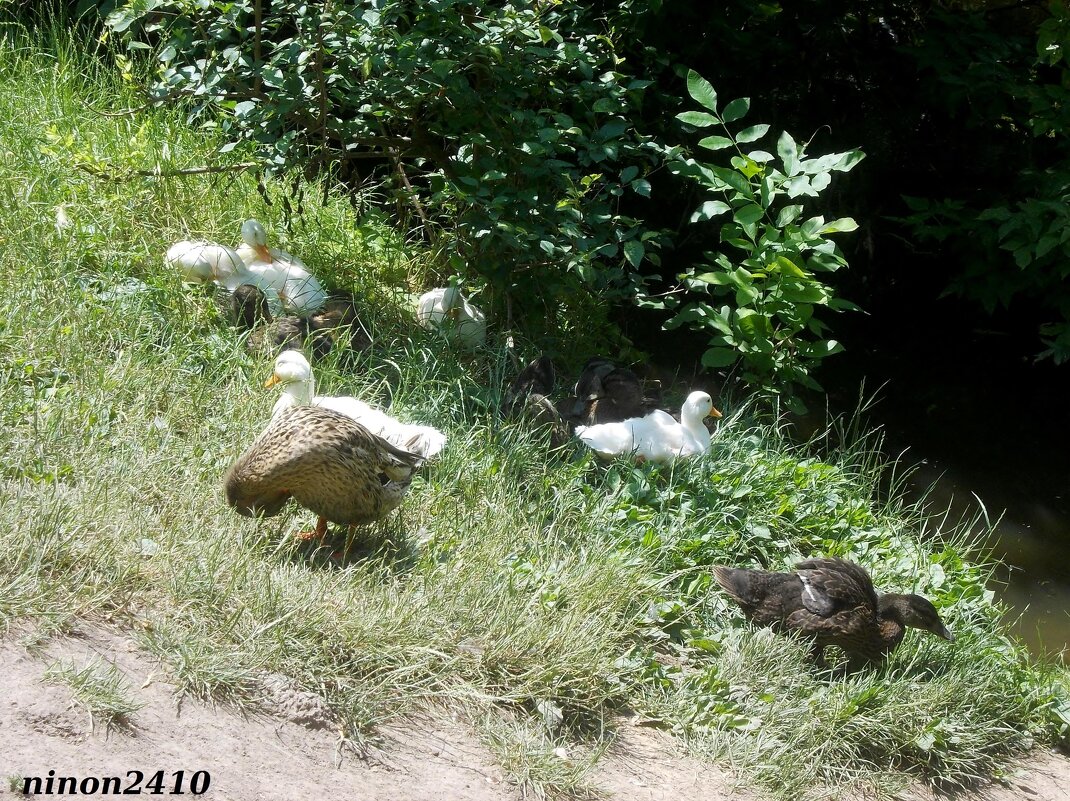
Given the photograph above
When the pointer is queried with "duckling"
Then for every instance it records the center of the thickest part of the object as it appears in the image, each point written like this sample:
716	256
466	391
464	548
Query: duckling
657	436
294	373
448	311
831	601
325	461
278	273
335	322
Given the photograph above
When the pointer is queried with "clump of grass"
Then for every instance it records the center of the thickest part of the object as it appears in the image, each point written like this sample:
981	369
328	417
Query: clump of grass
100	688
513	579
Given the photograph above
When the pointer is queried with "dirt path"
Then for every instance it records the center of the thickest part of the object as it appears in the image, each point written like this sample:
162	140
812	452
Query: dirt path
293	754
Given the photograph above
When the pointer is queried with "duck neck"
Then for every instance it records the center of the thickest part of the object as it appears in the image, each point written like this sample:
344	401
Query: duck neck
890	609
296	393
692	421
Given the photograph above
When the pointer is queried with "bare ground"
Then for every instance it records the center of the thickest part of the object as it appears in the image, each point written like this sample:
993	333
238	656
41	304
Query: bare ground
292	752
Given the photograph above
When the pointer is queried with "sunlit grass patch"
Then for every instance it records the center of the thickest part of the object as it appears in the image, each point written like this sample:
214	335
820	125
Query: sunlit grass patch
98	687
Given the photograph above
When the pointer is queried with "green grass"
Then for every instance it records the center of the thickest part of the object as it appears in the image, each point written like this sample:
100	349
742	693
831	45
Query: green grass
100	688
538	593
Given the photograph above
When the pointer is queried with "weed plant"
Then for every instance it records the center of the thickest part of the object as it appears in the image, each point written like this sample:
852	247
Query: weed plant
535	590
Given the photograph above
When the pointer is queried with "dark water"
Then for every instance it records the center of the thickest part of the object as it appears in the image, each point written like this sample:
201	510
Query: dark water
982	417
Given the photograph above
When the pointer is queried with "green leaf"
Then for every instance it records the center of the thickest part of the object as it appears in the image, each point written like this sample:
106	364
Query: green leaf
633	252
701	90
737	109
849	160
789	153
719	357
749	214
753	133
717	278
641	186
700	119
710	209
788	267
842	225
788	215
628	173
715	142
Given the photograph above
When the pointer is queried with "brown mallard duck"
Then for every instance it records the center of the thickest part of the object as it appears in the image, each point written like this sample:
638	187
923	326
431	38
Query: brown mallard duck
325	461
335	320
607	393
831	601
529	396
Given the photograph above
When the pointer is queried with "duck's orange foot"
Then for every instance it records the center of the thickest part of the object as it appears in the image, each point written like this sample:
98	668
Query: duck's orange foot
316	534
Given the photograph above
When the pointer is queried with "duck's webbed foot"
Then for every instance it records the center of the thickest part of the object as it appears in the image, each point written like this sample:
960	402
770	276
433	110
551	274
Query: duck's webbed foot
319	533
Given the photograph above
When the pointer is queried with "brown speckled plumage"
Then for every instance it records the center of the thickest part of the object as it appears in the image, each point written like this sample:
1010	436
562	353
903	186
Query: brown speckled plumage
325	461
335	321
833	602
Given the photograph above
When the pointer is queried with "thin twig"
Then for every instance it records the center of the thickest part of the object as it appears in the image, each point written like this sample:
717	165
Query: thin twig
101	172
411	191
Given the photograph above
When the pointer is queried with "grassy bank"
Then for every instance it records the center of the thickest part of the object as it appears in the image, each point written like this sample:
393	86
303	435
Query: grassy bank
538	592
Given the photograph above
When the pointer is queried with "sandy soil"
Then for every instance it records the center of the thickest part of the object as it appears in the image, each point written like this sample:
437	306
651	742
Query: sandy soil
292	751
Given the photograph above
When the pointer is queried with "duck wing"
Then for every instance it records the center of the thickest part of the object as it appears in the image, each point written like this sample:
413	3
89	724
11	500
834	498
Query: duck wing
764	596
831	585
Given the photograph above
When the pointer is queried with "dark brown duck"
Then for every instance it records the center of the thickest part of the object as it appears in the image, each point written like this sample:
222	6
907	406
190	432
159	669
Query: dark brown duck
833	602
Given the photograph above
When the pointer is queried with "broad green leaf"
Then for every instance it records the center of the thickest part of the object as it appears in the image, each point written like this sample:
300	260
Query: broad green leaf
700	119
719	357
788	267
1046	244
709	209
641	186
842	225
628	173
735	110
749	214
717	278
799	185
701	90
715	142
788	215
849	160
633	252
752	134
789	153
820	181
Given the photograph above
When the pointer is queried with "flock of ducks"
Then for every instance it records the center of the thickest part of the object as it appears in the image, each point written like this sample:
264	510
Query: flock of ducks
351	463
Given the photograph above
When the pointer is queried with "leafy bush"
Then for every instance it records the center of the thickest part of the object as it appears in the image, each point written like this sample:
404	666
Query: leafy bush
505	128
511	134
767	275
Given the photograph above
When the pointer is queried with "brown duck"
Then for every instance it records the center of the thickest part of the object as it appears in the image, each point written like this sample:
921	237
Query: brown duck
831	601
319	332
606	393
325	461
529	396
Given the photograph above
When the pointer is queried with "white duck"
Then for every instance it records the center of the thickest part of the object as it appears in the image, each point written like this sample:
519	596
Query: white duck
278	274
450	312
657	436
294	373
200	262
